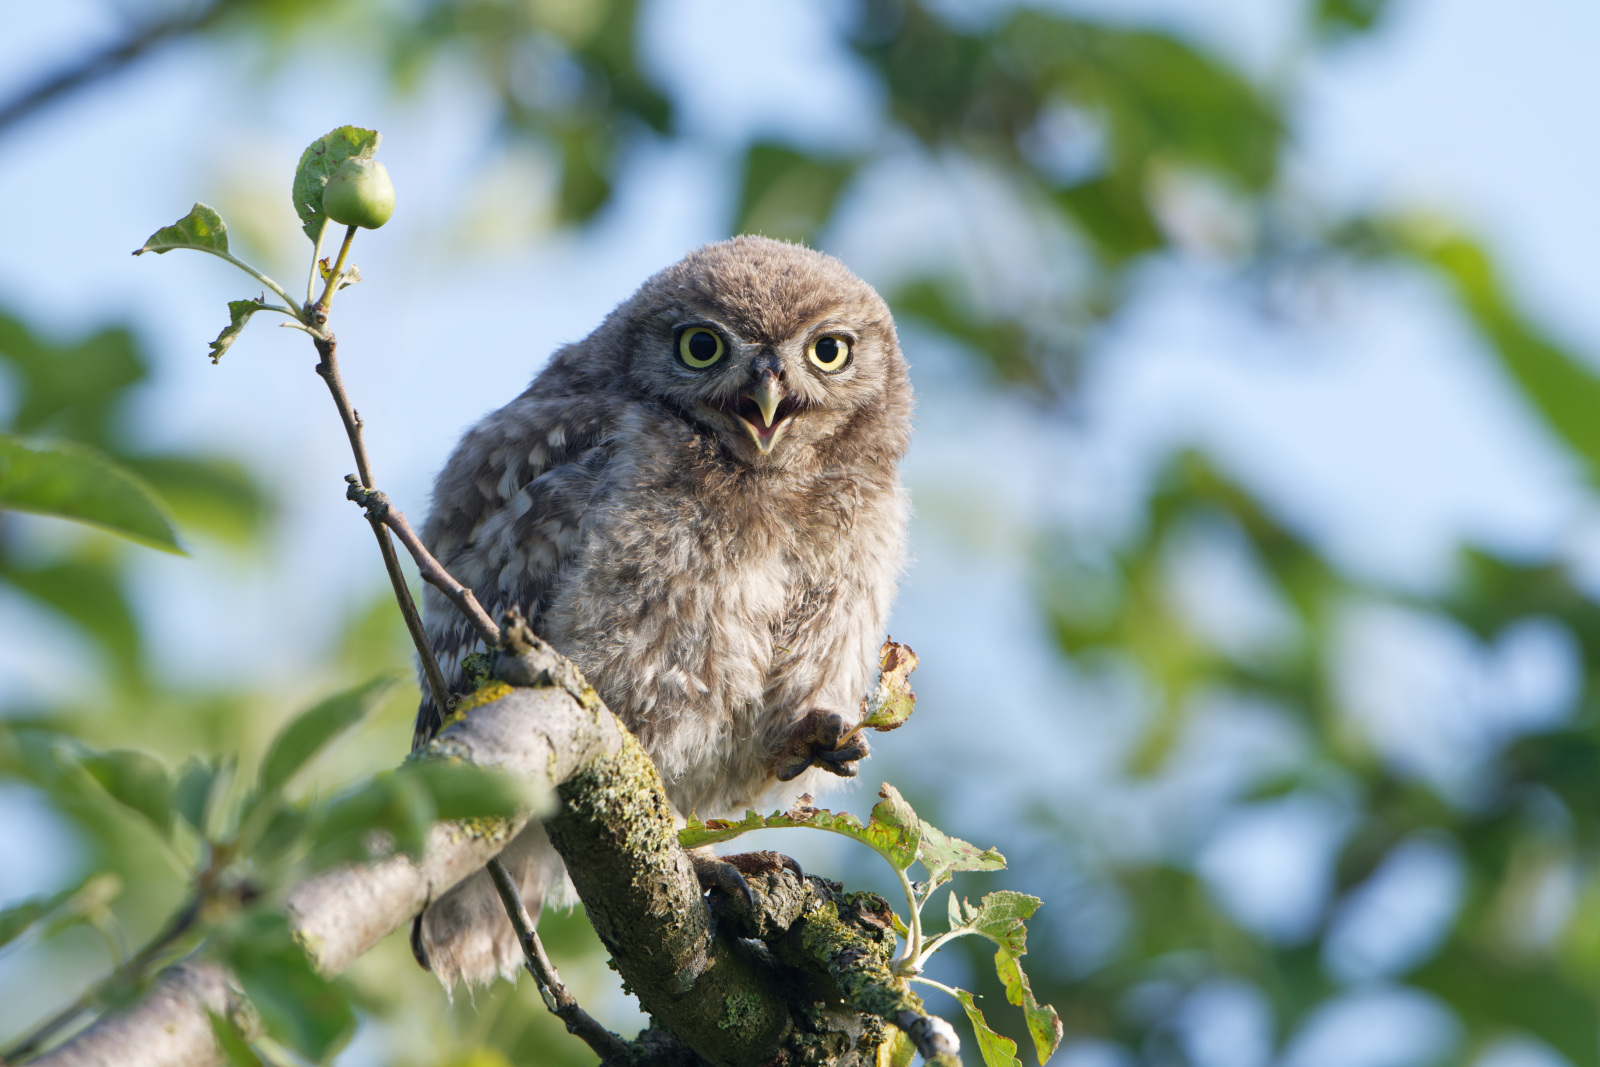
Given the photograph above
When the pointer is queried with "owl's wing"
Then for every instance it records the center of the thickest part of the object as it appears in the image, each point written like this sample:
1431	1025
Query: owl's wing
509	512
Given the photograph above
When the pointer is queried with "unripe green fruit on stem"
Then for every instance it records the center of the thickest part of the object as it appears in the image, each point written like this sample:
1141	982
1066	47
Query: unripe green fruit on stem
359	194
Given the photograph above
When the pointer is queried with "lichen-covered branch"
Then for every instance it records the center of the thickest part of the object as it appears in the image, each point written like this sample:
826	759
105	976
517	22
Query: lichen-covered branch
817	981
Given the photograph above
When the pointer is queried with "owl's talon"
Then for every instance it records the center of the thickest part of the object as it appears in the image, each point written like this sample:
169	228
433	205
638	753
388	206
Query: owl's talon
814	742
715	872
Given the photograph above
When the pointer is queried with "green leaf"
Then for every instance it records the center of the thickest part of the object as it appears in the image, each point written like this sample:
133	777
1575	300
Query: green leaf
999	916
304	737
196	787
207	494
897	1049
136	780
70	390
74	482
89	592
997	1051
1564	388
239	312
235	1049
1044	1025
892	701
392	812
787	194
466	791
201	229
943	855
893	830
299	1007
86	901
317	164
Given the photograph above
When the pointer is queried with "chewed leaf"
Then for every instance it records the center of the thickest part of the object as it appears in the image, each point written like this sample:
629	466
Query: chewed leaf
943	856
1044	1025
892	702
999	917
201	229
317	164
893	831
239	312
997	1051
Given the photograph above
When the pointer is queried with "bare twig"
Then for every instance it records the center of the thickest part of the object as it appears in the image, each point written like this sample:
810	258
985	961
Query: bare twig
328	368
380	508
108	61
561	1003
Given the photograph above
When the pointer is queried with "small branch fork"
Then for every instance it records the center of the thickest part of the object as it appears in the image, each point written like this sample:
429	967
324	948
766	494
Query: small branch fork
381	509
560	1002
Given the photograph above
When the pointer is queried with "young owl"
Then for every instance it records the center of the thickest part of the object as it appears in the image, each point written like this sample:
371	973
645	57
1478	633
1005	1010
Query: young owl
700	505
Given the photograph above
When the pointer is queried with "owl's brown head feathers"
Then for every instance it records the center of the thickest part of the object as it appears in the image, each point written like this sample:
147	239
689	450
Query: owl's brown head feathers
775	349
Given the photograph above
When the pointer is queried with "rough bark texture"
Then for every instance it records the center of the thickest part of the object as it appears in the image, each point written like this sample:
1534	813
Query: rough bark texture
801	979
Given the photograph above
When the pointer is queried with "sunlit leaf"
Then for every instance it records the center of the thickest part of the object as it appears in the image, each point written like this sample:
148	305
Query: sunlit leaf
893	830
1044	1025
317	164
891	702
997	1051
897	1049
73	482
299	741
201	229
943	855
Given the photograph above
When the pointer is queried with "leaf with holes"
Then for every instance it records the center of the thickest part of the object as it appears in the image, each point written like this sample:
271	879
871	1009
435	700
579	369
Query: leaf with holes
997	1051
893	830
892	702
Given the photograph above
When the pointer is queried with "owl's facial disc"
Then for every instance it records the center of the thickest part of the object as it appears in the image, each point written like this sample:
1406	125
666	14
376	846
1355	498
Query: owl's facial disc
765	410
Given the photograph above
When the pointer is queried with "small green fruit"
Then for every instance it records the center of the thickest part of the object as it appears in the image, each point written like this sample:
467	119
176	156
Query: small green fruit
359	194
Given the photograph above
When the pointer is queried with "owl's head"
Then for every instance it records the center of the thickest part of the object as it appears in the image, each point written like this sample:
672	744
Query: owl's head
776	349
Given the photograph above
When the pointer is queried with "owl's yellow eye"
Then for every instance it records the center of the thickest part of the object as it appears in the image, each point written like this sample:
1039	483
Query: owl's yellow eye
829	353
699	347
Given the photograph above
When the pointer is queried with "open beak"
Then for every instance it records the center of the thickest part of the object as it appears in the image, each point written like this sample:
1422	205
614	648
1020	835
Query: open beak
764	412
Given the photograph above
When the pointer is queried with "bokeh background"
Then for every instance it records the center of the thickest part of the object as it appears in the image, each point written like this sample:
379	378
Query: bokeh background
1256	547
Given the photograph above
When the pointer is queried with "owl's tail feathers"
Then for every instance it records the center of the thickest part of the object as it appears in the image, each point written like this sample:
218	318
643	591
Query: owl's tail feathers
464	936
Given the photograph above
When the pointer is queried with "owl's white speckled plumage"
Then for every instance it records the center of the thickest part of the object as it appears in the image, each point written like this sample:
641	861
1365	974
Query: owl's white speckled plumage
715	546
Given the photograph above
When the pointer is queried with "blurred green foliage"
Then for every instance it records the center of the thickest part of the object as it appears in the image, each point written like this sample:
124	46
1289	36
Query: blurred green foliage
1155	111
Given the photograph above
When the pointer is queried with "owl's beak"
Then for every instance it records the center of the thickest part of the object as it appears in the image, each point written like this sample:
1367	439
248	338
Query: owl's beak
767	397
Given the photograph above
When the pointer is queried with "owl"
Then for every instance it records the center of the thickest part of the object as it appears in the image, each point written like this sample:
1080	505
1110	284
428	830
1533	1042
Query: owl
700	505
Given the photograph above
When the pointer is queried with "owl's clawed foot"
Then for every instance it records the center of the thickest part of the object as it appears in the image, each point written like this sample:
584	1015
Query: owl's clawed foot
814	741
727	873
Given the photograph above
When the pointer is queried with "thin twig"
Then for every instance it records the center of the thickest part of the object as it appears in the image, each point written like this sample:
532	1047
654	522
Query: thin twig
328	368
382	509
107	61
556	997
134	965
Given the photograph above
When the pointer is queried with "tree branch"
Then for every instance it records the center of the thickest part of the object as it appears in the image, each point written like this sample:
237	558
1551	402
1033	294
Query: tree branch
722	998
108	61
